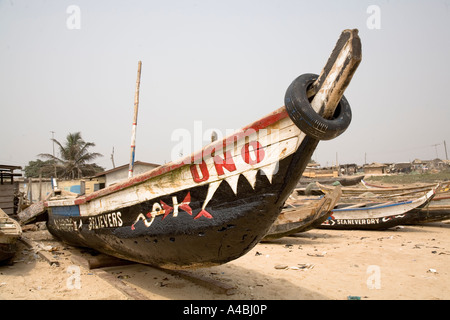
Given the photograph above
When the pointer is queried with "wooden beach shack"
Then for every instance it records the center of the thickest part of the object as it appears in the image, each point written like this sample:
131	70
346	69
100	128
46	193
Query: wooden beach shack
7	187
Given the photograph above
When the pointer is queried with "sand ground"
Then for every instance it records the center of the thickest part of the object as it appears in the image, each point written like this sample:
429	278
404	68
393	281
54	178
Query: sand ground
407	262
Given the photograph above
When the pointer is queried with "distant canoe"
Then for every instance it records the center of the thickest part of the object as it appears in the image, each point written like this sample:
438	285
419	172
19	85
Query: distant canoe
308	186
430	214
343	180
398	191
375	216
303	215
436	210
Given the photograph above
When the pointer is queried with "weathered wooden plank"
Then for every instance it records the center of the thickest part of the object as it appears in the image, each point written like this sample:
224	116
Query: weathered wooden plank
9	198
30	213
211	284
48	256
6	204
99	261
8	210
7	189
337	73
130	292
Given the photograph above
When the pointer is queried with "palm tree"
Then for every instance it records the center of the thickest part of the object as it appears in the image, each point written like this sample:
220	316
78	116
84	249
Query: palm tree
74	158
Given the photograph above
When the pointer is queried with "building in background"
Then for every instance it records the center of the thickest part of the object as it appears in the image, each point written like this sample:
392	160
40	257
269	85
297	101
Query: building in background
8	188
120	174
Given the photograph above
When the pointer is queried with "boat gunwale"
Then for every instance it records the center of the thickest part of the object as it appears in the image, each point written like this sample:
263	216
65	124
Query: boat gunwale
218	145
421	200
374	207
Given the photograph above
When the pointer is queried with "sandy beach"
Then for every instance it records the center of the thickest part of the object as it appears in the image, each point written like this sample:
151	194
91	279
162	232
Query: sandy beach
406	262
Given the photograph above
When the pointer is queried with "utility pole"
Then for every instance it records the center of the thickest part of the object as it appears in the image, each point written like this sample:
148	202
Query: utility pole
445	147
112	158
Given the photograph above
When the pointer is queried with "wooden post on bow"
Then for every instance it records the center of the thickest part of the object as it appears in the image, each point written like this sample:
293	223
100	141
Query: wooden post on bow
133	131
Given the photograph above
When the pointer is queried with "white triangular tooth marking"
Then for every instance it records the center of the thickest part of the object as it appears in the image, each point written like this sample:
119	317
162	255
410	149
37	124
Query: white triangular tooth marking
270	170
233	182
211	190
250	175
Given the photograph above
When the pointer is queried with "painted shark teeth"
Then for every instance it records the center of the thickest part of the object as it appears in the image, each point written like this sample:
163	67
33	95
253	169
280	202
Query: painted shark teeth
232	181
270	170
250	175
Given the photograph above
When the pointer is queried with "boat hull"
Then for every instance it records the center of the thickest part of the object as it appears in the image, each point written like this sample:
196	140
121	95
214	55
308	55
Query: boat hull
237	223
366	223
210	207
303	217
430	214
7	251
378	217
10	233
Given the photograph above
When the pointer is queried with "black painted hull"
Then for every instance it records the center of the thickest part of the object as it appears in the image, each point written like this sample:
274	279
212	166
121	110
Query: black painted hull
7	252
430	214
239	222
369	223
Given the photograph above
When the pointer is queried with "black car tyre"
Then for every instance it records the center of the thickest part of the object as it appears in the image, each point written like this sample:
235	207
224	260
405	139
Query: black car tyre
306	119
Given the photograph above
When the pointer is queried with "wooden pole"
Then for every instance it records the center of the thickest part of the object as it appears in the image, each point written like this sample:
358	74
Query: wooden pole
133	131
53	140
337	73
30	190
40	184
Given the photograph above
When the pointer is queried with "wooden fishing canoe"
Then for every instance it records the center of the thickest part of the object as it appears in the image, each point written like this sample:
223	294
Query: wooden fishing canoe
345	181
436	210
303	215
375	216
10	232
205	209
215	205
392	191
430	214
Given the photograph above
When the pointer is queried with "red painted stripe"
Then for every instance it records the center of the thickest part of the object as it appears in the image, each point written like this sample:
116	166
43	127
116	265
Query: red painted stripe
263	123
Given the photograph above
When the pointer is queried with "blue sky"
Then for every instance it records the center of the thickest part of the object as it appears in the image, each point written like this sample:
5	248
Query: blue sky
224	63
